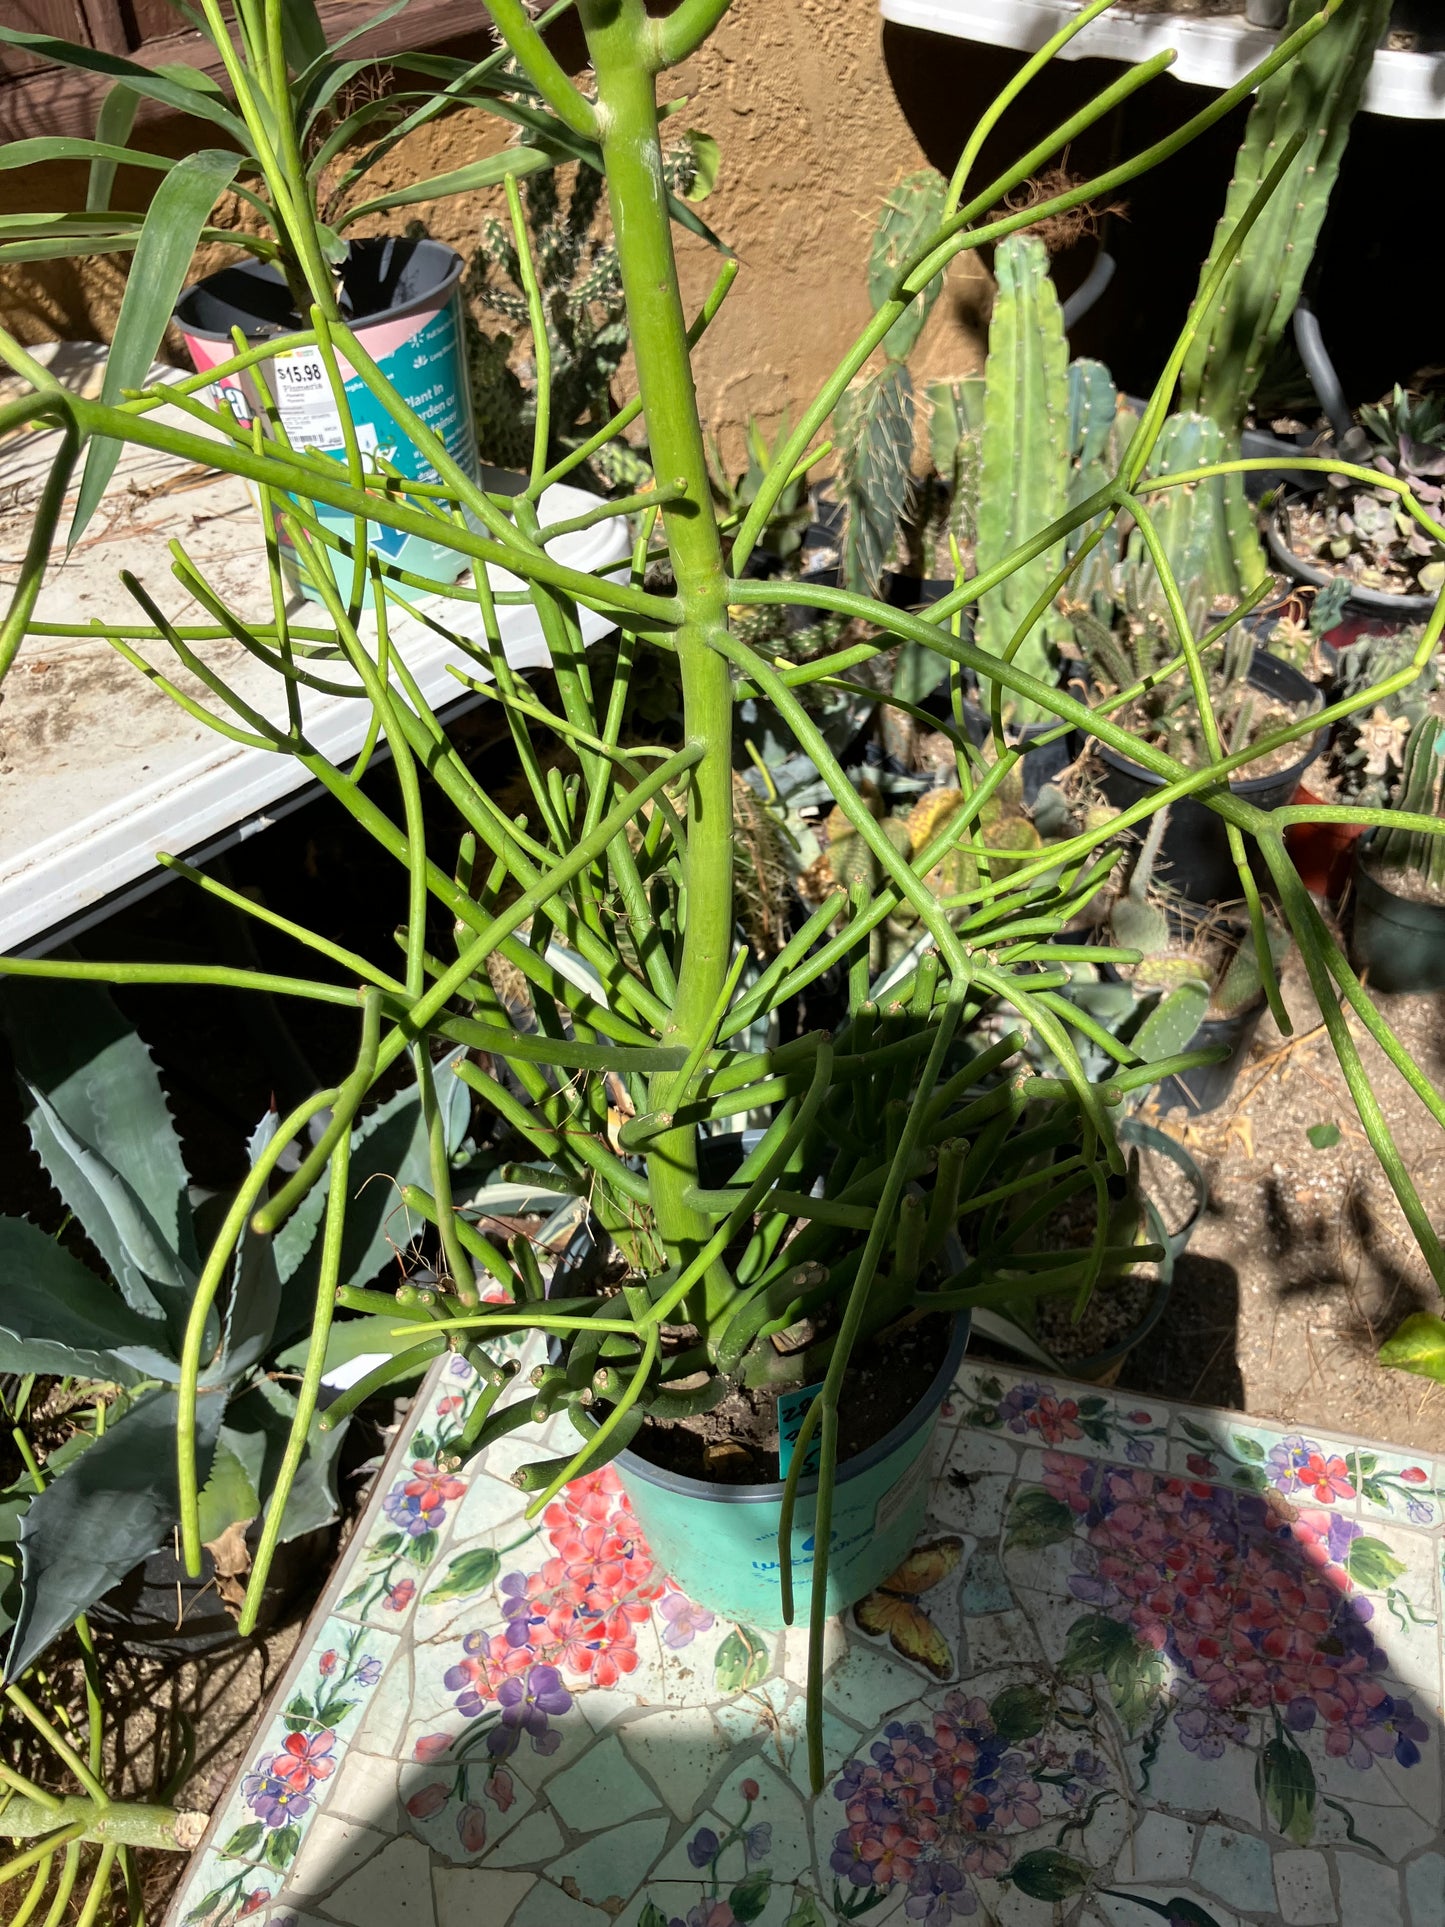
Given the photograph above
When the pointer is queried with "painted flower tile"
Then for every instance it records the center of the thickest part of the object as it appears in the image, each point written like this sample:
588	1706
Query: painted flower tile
1144	1663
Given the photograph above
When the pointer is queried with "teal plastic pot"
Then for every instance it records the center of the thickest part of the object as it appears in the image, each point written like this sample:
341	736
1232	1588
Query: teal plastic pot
403	298
1401	943
720	1542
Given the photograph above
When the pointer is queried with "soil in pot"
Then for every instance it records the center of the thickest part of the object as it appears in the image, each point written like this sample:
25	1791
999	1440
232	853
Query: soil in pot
737	1442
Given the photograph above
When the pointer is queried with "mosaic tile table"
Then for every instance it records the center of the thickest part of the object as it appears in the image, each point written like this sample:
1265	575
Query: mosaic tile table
1146	1663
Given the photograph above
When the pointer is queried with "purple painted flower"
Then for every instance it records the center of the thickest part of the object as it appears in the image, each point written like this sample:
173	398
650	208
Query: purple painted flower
1298	1464
517	1609
1205	1730
702	1848
418	1504
527	1702
684	1620
1419	1513
368	1672
1087	1765
272	1800
938	1893
459	1368
1409	1729
1140	1451
758	1842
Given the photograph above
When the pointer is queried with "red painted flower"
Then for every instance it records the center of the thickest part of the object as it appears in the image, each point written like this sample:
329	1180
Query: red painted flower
400	1596
1327	1478
433	1746
472	1828
254	1900
428	1800
431	1488
1415	1475
327	1663
303	1761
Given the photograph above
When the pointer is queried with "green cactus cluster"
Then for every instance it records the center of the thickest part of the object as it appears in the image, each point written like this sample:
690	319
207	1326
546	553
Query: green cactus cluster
1315	96
580	276
1421	792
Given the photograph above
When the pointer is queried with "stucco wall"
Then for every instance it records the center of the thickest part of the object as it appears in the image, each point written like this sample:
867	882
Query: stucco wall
798	97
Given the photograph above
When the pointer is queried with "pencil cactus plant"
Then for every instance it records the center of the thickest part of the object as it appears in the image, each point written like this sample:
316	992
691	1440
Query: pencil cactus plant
882	1130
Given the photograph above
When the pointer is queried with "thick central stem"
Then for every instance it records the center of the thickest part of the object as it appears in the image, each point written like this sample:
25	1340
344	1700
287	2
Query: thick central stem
617	39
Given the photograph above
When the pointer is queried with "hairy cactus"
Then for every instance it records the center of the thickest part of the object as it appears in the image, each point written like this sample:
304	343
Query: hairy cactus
911	212
873	431
1422	792
1025	475
1242	984
1316	95
873	423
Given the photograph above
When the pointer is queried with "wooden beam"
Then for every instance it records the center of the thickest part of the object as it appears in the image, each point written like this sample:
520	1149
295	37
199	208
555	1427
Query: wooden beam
62	100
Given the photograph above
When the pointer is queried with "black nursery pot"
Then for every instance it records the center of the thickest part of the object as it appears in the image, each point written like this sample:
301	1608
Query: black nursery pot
158	1608
1039	766
1400	942
1195	850
1207	1086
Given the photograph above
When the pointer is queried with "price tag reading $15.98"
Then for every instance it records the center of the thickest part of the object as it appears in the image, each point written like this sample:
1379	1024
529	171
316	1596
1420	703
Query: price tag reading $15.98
303	396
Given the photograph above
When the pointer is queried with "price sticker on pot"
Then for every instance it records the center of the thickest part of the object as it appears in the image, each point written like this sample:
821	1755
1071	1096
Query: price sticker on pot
303	396
792	1410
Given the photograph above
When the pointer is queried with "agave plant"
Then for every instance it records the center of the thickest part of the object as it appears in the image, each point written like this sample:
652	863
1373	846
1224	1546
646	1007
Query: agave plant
99	1123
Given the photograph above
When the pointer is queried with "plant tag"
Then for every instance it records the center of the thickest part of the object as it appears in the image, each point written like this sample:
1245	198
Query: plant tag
792	1410
303	396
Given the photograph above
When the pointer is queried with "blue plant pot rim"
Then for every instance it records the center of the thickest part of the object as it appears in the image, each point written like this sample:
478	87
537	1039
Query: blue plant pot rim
630	1465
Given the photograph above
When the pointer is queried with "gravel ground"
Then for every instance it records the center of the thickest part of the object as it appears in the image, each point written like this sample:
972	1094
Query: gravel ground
1302	1261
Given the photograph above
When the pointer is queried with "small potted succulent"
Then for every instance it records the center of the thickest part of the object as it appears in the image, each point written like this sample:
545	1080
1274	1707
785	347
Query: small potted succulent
1362	538
1365	754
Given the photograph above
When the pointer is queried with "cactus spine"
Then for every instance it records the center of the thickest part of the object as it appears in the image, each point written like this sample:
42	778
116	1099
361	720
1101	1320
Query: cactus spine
1025	466
1422	791
1317	95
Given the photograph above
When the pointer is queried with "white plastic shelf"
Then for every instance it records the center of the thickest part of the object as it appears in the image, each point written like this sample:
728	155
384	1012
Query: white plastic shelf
98	769
1213	52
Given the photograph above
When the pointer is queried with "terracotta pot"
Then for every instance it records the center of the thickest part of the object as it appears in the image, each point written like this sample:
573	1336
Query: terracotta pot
1323	853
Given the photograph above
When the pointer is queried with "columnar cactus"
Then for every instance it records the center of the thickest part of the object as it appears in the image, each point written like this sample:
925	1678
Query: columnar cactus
1316	95
1025	465
1422	792
1190	521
